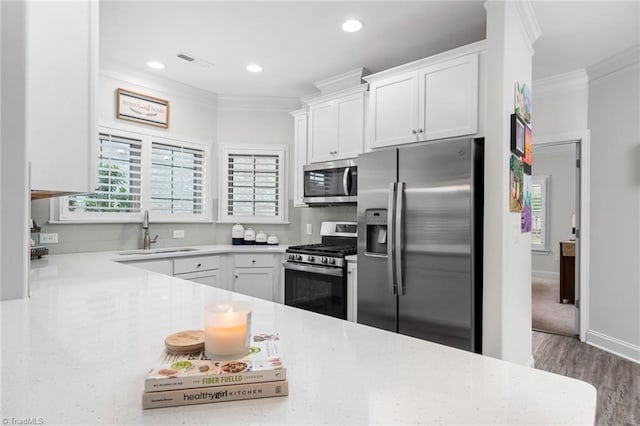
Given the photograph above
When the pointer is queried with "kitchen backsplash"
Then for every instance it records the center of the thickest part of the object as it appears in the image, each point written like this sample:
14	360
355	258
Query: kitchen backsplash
74	238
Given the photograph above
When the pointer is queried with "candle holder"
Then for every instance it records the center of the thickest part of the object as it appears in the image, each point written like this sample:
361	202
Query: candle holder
227	330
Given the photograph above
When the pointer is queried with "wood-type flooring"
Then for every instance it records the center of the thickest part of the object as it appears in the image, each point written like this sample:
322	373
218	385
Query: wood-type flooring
616	379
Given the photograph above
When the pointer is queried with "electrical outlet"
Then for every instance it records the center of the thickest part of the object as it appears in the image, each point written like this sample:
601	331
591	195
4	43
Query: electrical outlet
178	233
309	229
48	238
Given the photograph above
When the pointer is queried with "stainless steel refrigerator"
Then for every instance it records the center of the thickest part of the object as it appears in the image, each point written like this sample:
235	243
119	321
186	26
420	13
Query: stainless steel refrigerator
420	241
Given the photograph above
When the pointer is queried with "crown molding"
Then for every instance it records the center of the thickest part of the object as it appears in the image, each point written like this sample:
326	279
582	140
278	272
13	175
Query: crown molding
342	81
528	18
257	103
335	95
614	63
161	84
476	47
555	83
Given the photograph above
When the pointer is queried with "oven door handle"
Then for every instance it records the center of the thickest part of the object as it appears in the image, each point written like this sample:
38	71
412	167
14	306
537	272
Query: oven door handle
323	270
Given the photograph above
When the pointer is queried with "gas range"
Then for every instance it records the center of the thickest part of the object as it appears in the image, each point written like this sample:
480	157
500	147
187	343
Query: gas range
316	274
321	254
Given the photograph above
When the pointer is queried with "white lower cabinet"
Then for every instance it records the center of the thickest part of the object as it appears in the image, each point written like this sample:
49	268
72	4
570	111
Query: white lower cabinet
200	269
256	282
161	266
209	278
352	291
253	275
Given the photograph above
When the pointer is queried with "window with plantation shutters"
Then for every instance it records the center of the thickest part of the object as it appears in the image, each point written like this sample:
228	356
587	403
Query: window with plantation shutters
539	212
140	172
177	179
252	185
119	178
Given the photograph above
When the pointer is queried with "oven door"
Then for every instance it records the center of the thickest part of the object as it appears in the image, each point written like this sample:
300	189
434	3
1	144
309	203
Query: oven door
316	288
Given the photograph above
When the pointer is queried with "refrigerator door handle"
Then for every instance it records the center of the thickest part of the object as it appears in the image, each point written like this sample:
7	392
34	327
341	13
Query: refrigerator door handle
345	181
390	238
399	242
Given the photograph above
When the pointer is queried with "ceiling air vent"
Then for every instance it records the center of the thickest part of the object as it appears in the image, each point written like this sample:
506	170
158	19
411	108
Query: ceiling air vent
194	60
186	57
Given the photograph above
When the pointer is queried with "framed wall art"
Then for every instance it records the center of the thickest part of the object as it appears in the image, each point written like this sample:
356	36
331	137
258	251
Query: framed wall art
139	108
517	136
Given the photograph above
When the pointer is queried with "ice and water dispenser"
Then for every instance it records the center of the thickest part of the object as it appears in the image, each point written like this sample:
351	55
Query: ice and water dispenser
376	228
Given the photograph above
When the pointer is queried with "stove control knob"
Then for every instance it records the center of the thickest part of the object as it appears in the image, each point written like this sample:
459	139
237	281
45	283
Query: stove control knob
310	258
291	257
332	261
324	260
298	257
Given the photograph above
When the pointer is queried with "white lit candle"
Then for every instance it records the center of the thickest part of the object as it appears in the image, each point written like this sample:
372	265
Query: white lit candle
226	329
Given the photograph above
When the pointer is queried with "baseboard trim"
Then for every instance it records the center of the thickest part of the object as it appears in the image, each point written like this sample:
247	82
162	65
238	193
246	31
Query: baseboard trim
615	346
545	274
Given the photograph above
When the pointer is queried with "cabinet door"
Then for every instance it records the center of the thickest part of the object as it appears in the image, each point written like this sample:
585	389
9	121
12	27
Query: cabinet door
300	159
210	280
449	99
350	110
393	110
256	282
61	127
323	132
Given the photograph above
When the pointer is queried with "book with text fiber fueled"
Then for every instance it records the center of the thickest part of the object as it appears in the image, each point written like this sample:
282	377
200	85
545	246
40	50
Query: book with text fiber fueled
174	398
187	371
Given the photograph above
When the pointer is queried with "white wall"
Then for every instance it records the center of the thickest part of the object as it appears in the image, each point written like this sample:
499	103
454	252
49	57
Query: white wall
560	167
560	111
14	263
507	254
614	296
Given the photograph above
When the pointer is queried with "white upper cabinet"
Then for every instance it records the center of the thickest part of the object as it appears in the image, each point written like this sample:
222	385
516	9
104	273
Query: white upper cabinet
300	155
61	81
323	125
433	98
393	112
336	126
449	98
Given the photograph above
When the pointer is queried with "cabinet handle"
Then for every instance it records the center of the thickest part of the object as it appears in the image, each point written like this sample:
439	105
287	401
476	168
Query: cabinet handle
199	265
419	130
253	261
414	132
236	276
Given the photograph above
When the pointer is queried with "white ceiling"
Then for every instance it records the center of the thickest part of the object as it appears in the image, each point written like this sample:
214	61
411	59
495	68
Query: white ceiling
298	43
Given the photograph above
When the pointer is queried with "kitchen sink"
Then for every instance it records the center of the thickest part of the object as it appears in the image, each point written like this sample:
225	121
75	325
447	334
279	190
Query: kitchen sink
158	250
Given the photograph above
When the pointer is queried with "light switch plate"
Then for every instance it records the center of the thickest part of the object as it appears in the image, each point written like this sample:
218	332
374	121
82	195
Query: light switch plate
48	238
309	229
178	233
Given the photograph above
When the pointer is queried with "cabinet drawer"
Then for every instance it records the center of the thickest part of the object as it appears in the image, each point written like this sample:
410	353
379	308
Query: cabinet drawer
253	260
194	264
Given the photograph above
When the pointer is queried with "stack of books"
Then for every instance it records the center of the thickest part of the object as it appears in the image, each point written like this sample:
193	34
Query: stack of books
186	379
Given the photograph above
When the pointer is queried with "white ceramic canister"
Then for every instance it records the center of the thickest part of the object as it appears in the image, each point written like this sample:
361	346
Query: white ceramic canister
261	238
249	236
272	240
237	234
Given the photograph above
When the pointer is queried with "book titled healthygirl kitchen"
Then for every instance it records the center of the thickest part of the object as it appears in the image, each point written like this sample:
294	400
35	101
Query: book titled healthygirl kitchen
185	379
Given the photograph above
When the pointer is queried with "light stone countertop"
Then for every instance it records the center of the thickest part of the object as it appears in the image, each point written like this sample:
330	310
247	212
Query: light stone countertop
352	258
78	350
164	252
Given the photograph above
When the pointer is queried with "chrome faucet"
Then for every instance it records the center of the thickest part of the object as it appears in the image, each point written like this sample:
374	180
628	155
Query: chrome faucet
146	242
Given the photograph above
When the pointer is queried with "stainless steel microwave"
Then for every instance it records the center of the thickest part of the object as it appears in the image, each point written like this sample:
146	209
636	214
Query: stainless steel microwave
333	182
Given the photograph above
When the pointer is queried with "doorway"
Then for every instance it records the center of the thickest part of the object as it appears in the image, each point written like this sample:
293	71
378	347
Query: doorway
559	217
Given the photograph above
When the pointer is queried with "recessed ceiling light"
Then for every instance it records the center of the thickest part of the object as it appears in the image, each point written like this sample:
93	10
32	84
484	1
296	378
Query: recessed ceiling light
352	26
254	68
155	65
